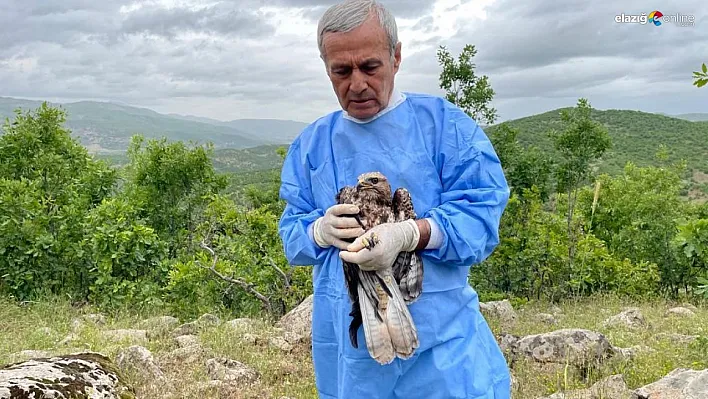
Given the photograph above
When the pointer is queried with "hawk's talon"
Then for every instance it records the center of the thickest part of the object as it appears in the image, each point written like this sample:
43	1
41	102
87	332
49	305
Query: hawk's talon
370	242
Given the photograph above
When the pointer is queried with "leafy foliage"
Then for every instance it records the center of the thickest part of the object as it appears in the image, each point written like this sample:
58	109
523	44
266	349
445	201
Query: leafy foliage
701	77
463	87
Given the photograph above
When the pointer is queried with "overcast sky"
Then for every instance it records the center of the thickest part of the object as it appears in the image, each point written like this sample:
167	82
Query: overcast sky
258	59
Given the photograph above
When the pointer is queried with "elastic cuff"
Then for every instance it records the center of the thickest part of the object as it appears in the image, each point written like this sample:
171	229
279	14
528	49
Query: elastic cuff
314	231
436	237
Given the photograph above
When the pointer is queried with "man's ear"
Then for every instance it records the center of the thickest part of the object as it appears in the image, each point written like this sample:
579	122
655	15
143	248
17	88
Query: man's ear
397	57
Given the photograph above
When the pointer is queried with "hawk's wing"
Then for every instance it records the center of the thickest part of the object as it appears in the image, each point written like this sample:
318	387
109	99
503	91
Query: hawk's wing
348	195
408	266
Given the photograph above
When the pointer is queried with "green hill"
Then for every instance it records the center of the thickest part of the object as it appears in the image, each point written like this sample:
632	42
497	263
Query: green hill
636	136
107	127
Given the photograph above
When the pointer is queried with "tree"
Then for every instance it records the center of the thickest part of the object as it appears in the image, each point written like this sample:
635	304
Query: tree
701	78
469	92
579	145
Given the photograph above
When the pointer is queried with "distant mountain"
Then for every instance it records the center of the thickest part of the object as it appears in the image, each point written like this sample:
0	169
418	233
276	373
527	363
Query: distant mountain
635	135
699	117
107	127
275	131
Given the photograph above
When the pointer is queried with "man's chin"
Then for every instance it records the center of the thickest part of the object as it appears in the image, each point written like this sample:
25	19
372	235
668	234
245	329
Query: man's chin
363	110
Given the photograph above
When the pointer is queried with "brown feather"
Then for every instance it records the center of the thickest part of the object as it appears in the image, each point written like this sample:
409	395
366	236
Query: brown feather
379	299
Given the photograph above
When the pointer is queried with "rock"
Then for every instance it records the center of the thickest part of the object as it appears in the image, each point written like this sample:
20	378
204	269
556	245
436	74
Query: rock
84	375
188	354
184	341
194	327
134	336
689	306
280	343
299	319
69	339
631	353
679	311
498	309
546	318
137	359
190	328
250	338
632	318
575	346
93	318
158	326
555	310
208	320
228	370
678	384
676	338
613	387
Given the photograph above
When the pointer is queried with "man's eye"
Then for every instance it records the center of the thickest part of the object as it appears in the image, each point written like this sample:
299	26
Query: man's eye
341	71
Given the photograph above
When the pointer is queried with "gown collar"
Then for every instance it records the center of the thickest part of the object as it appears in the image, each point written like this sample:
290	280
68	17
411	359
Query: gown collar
396	99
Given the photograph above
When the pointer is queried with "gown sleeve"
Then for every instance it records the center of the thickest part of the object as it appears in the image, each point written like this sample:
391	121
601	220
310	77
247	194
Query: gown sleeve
474	195
299	213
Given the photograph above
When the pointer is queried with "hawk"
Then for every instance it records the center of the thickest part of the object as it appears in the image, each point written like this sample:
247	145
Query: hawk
380	298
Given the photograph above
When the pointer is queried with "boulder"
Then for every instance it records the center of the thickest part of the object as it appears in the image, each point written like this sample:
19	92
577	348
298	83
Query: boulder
678	384
567	346
631	318
501	310
83	375
299	319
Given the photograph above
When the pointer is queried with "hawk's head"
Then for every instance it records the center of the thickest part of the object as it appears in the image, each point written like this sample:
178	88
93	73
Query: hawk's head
374	186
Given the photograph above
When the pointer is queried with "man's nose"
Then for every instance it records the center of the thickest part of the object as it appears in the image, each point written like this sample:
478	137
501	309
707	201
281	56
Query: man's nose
358	82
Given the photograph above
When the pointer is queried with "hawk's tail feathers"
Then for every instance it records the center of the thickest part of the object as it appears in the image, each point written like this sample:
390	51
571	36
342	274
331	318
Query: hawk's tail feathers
401	328
378	341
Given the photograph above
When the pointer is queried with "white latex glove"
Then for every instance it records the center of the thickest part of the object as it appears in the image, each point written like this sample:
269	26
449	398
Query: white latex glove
332	228
389	239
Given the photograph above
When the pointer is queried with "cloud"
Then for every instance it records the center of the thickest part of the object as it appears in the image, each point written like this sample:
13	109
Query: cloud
257	58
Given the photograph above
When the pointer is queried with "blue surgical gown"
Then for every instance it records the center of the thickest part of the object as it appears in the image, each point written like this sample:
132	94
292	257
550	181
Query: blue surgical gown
429	146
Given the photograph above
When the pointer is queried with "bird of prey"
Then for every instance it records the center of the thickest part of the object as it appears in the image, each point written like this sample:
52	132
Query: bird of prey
380	298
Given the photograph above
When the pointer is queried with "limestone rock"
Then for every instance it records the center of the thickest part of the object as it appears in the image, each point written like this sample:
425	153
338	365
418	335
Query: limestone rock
680	311
84	375
632	318
546	318
241	324
158	326
299	319
676	338
184	341
139	360
678	384
499	309
228	370
574	346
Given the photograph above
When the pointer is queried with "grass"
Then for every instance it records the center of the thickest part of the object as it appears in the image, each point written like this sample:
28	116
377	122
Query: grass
290	374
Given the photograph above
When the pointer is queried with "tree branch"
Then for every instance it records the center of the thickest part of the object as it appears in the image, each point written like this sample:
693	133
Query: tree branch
246	286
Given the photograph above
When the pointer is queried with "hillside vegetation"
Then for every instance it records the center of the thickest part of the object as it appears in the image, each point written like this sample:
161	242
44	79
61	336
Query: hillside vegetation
636	136
107	128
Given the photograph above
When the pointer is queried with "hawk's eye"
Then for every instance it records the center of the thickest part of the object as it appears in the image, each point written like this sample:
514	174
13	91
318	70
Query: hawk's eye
374	180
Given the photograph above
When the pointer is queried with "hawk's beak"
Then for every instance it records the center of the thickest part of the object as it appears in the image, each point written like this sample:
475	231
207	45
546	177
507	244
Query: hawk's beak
362	185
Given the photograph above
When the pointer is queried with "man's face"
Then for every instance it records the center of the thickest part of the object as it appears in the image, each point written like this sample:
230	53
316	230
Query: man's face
361	69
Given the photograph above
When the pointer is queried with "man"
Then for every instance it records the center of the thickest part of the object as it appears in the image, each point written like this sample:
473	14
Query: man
445	160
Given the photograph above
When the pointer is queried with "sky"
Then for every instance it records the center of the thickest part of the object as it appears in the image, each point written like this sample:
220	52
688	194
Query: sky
258	59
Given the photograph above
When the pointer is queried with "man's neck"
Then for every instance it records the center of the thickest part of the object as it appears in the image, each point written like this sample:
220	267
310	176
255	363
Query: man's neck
396	98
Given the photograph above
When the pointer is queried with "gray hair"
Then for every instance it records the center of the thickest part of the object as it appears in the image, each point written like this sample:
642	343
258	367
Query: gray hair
350	14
